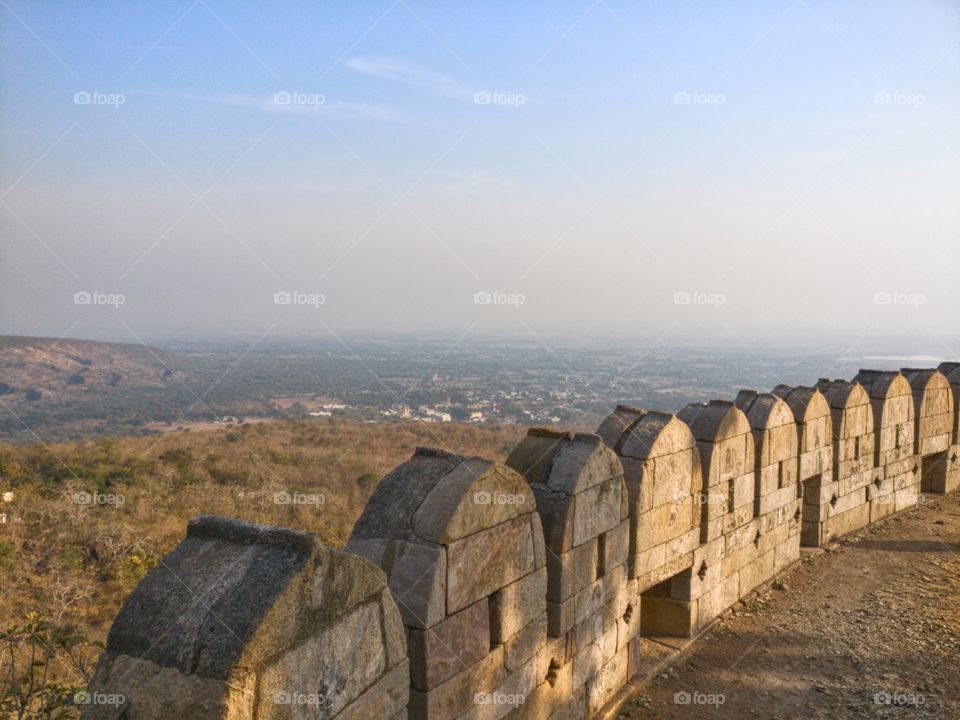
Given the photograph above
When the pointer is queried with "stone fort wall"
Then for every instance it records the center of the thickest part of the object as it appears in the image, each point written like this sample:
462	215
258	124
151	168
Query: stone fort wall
537	589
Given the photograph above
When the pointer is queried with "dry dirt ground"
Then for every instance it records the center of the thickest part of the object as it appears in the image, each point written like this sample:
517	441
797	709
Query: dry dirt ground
868	628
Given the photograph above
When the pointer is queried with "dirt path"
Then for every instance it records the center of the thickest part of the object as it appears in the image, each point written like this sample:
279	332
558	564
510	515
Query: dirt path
868	628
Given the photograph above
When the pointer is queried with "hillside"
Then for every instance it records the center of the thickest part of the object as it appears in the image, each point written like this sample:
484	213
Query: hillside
46	370
82	523
68	388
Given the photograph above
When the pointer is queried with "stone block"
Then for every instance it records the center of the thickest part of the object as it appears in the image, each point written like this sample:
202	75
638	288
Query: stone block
450	646
457	695
602	687
571	571
486	561
474	496
597	510
416	574
523	645
517	605
616	547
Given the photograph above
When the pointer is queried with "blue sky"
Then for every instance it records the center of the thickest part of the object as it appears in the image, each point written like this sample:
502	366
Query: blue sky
798	159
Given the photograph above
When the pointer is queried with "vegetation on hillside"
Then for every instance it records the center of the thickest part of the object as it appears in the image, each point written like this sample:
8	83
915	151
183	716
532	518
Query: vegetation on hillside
82	523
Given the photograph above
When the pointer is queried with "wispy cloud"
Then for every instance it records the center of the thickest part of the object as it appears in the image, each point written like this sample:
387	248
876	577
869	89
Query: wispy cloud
408	73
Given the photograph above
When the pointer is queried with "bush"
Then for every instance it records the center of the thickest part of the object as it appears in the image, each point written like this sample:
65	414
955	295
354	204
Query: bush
33	657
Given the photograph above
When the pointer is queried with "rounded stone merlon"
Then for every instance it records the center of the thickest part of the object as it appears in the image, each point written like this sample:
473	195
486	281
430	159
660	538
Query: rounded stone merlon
533	456
654	435
715	421
216	627
952	372
807	403
439	497
565	462
578	483
474	496
615	426
923	381
841	394
883	387
764	410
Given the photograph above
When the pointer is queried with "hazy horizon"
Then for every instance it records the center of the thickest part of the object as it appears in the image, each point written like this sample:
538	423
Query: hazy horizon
754	172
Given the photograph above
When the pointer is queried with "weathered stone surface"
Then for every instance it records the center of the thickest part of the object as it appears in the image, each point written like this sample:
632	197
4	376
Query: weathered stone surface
457	695
239	618
523	645
336	665
934	407
486	561
450	646
417	576
386	699
597	509
518	604
389	511
475	495
580	493
572	571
